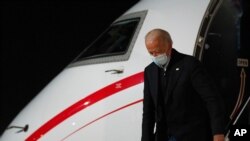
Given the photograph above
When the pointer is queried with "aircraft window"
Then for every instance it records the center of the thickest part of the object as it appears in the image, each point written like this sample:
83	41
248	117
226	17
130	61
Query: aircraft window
115	44
112	42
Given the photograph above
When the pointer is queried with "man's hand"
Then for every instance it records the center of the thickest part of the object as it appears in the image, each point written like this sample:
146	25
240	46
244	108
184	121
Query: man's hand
219	137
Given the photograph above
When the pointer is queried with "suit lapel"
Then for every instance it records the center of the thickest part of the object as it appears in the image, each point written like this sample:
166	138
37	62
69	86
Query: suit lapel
173	79
174	74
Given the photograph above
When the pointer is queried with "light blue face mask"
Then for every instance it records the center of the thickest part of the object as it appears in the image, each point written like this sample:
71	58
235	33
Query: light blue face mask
160	60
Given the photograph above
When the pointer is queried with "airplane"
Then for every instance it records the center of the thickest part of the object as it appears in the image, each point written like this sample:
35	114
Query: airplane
98	96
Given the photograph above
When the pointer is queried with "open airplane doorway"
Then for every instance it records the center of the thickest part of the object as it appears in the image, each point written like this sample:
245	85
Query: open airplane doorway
222	49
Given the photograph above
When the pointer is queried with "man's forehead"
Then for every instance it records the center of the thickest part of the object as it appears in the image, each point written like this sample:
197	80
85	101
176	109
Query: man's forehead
153	41
155	49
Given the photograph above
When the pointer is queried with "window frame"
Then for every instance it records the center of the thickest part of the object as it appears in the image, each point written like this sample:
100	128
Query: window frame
116	57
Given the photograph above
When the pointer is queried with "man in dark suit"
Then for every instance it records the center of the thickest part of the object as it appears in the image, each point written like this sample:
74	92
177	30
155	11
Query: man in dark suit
180	102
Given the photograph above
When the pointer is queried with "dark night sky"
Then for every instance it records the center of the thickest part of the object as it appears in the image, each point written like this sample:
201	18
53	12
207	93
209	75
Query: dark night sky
38	39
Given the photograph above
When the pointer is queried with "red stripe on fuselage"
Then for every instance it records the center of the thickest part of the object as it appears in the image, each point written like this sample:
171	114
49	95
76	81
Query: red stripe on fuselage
85	102
116	110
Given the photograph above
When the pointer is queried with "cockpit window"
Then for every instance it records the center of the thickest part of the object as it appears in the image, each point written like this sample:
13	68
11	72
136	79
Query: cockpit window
115	44
112	42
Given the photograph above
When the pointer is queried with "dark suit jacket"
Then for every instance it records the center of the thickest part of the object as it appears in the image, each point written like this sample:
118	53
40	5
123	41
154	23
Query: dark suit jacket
192	104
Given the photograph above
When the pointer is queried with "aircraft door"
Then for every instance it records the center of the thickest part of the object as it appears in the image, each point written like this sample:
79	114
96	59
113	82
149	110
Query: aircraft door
224	53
